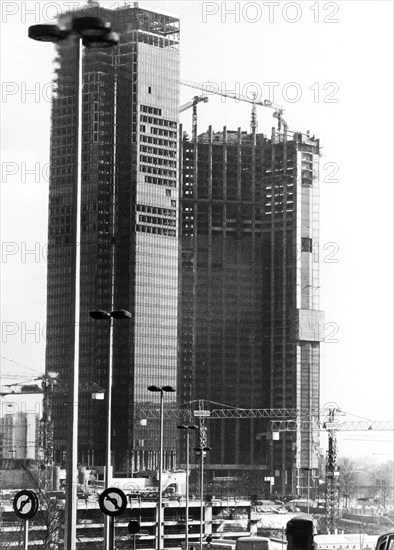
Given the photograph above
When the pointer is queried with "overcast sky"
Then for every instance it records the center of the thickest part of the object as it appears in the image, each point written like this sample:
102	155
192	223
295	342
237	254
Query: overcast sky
330	65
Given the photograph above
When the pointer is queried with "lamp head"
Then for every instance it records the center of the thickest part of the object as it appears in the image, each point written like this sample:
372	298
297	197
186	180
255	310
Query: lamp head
120	314
168	388
102	41
100	314
89	26
47	33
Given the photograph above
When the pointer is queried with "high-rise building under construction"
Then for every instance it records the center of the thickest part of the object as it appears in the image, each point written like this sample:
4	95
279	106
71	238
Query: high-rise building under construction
249	315
222	283
129	236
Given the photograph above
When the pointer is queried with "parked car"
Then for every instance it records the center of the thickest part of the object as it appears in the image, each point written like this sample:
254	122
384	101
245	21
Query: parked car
385	542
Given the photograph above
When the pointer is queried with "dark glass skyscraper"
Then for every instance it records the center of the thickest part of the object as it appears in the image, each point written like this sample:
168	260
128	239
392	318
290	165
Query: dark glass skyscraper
129	238
249	304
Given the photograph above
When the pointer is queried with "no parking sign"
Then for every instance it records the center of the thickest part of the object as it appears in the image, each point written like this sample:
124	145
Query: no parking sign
112	501
25	504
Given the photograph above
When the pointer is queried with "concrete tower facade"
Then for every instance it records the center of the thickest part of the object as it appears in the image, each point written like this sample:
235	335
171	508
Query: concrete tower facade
249	314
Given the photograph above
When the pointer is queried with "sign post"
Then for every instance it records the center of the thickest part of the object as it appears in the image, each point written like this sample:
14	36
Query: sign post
26	535
25	506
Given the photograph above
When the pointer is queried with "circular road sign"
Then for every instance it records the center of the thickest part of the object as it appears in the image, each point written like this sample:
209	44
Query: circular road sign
112	501
25	504
134	527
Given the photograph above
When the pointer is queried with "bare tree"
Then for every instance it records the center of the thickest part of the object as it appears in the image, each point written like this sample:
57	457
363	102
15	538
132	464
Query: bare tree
347	478
383	479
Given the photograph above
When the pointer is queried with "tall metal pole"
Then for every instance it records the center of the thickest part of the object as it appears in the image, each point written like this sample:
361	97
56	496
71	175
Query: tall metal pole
72	424
26	535
187	428
307	489
112	532
160	510
108	462
201	498
107	478
159	513
97	36
187	491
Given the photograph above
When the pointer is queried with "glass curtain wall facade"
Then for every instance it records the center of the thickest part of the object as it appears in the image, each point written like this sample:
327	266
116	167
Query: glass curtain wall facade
248	205
129	236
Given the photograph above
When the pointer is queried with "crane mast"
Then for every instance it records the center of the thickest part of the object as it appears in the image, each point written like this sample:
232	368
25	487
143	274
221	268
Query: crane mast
193	103
332	473
284	420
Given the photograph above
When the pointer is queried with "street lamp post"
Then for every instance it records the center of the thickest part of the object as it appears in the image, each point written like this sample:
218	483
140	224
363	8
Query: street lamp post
109	315
187	428
202	451
308	470
160	389
93	33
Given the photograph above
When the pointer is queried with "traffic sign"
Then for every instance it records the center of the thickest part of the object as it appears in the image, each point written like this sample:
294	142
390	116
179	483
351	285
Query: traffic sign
202	414
112	501
134	527
25	504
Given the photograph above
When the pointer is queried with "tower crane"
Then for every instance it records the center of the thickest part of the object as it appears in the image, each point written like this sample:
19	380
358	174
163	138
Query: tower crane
332	472
213	88
17	375
332	426
285	420
193	103
49	386
186	411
